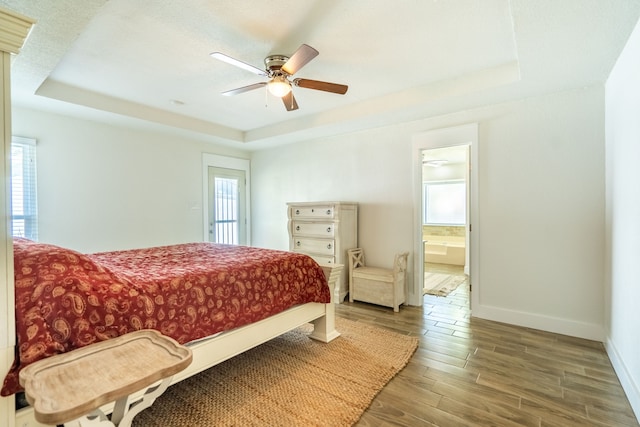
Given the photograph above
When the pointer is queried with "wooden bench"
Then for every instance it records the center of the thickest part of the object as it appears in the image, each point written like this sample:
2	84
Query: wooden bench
376	285
70	388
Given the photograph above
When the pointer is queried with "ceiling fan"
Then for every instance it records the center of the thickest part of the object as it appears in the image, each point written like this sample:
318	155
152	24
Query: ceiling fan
279	69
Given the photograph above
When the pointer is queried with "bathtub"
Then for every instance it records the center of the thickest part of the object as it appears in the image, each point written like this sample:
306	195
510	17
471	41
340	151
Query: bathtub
444	250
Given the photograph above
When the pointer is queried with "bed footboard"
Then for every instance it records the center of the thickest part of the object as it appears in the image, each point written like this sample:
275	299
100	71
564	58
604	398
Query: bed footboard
324	328
212	351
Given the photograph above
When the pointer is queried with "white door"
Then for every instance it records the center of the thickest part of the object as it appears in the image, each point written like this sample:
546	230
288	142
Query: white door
226	203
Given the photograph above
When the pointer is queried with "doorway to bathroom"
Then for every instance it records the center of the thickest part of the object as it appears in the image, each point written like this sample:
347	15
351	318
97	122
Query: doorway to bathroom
444	217
446	213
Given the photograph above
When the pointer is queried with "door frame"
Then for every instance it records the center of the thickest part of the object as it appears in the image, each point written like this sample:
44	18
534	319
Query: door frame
441	138
217	161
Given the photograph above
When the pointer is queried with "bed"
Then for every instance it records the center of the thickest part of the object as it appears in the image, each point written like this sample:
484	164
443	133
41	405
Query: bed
220	300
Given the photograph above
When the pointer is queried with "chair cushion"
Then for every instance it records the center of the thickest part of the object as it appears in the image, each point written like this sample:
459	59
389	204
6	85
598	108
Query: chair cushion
374	273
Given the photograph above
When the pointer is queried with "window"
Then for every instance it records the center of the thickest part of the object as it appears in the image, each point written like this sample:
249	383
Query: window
228	186
226	199
445	203
24	207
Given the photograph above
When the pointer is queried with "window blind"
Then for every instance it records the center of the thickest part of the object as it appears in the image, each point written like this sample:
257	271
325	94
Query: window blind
24	202
226	210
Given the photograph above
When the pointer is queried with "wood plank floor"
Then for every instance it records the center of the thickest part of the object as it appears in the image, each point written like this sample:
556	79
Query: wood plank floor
473	372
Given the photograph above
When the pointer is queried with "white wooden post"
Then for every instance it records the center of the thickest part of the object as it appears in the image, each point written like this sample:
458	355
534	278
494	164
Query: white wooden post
14	29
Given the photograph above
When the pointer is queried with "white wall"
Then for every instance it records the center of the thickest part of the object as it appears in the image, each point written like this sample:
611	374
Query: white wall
541	178
102	187
371	168
447	172
622	222
541	190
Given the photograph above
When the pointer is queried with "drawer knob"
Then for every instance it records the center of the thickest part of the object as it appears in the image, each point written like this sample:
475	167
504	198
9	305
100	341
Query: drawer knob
297	211
328	229
329	246
328	211
297	228
298	243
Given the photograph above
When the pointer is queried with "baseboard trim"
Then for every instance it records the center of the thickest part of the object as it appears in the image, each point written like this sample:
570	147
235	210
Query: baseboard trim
630	388
590	331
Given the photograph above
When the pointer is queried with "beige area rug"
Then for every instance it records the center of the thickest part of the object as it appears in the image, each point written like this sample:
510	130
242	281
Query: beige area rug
440	284
288	381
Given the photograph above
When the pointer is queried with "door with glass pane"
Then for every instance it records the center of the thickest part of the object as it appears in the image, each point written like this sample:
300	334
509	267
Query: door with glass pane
227	211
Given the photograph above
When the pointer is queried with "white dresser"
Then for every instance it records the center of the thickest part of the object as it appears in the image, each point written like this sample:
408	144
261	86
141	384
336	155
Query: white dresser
325	231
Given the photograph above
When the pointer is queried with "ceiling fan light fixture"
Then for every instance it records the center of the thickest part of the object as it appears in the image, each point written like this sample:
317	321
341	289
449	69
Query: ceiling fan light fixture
279	69
279	86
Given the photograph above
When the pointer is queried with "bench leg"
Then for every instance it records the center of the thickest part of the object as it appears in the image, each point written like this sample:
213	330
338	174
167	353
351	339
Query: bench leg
123	412
95	419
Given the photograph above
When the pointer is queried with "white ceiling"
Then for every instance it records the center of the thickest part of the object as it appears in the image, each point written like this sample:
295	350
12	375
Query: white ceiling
451	155
129	61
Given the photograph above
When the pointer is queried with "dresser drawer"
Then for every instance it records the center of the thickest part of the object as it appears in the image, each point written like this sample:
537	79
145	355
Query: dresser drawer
321	259
314	246
312	212
316	229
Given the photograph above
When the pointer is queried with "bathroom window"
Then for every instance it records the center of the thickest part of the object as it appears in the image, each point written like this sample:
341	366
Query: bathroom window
444	203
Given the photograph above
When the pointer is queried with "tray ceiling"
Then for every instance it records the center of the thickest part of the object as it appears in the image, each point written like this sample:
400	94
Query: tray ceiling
146	62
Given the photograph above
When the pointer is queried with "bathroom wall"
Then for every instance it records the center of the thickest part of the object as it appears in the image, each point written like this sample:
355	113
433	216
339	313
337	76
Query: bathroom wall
443	230
454	170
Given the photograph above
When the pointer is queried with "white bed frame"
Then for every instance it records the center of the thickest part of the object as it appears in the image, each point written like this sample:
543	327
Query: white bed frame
211	351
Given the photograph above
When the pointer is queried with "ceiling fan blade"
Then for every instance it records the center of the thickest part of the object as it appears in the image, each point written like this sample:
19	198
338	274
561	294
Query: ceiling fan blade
299	59
244	89
229	60
324	86
290	102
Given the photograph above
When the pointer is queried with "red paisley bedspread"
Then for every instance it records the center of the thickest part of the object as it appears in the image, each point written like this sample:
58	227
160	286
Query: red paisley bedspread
66	300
